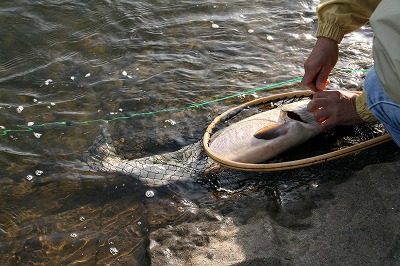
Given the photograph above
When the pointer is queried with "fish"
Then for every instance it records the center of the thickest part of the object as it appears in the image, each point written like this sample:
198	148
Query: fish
263	136
252	140
157	170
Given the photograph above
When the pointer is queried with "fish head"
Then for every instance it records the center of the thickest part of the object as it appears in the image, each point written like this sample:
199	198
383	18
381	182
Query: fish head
297	112
294	118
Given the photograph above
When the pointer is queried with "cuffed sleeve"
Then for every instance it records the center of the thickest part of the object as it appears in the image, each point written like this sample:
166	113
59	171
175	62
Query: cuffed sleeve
336	18
362	108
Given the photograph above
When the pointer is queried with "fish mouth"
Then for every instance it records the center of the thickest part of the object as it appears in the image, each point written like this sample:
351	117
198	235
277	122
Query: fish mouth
294	116
276	130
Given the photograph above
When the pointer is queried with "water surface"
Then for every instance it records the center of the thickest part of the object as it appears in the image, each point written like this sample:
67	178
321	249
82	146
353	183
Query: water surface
66	65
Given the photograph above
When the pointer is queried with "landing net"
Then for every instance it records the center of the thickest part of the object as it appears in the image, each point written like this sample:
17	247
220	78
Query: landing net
330	145
148	158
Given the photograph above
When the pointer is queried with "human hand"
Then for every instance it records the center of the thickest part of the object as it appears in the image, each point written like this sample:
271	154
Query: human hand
320	63
333	108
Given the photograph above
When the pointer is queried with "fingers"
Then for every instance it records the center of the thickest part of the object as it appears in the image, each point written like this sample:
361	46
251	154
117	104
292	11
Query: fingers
317	103
319	64
331	108
322	79
321	115
315	81
321	107
325	125
309	80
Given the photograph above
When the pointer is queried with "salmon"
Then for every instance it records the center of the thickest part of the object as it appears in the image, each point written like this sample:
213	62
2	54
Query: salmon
263	136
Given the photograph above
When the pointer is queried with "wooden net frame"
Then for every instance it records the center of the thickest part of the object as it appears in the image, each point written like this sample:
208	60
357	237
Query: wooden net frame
281	165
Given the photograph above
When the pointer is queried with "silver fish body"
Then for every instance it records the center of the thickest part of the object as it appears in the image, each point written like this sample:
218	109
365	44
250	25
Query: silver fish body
238	143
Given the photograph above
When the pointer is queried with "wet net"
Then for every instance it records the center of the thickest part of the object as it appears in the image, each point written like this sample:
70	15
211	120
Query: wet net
157	157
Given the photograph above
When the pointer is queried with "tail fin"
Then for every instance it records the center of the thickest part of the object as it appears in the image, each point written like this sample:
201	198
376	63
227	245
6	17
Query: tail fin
101	150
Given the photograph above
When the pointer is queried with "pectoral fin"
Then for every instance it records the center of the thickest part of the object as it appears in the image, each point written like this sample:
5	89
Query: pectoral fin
271	131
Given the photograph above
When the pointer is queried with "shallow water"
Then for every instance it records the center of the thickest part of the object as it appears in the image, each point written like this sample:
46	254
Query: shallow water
67	65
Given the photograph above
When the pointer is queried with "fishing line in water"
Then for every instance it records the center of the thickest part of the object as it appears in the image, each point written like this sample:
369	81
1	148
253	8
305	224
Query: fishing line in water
31	126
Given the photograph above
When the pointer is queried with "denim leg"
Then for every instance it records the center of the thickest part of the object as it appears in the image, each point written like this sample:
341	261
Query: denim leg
381	106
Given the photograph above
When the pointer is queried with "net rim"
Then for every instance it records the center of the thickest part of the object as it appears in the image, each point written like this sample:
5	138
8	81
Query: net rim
282	165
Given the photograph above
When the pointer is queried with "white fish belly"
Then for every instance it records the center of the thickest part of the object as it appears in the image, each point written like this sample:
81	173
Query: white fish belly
237	141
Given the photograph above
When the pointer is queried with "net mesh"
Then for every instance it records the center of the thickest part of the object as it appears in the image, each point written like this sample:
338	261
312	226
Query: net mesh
161	156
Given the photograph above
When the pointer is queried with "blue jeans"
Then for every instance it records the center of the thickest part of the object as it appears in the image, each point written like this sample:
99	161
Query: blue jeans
381	106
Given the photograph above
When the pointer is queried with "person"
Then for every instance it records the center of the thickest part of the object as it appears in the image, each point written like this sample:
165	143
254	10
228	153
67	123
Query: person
380	98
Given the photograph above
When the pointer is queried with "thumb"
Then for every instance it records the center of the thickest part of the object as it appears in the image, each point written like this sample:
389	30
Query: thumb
322	79
322	83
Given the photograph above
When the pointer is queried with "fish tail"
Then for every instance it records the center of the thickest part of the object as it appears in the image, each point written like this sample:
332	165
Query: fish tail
101	151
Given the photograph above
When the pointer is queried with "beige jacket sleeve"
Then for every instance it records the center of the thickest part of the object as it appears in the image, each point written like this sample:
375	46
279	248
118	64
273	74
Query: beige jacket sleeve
336	18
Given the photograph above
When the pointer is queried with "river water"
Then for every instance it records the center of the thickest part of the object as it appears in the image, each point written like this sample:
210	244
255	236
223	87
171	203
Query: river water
66	66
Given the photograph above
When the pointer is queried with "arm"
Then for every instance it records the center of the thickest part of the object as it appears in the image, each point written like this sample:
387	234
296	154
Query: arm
335	19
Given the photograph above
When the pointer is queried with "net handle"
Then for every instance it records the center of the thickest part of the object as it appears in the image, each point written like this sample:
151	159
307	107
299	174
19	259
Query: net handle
283	165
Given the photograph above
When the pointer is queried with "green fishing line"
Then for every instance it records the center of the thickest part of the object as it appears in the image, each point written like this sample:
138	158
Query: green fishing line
24	128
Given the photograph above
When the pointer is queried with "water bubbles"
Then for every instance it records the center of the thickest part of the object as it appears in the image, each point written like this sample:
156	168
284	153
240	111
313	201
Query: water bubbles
38	172
37	135
29	177
214	25
114	250
150	193
172	122
125	74
308	20
20	109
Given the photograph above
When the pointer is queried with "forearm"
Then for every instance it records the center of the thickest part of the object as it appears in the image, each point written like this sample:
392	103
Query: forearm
336	18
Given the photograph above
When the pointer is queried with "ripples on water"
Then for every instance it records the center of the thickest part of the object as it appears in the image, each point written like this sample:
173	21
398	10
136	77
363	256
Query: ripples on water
73	61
